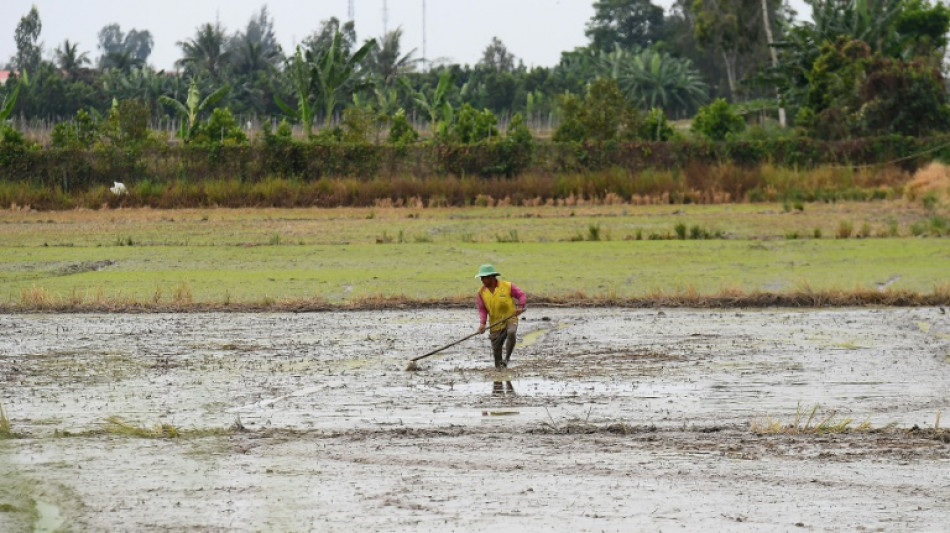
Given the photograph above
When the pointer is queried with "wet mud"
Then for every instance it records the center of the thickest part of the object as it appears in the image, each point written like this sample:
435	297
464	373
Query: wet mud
607	420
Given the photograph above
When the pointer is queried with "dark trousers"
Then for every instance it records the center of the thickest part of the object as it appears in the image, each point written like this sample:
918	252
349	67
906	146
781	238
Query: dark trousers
504	339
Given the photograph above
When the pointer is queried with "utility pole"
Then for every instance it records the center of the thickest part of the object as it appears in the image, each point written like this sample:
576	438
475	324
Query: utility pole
423	35
768	36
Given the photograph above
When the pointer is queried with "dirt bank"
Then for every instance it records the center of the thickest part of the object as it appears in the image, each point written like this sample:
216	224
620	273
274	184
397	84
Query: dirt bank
608	420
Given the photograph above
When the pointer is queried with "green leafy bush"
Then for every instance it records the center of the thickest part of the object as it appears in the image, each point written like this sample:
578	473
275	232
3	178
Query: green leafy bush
220	129
717	121
473	126
401	131
603	115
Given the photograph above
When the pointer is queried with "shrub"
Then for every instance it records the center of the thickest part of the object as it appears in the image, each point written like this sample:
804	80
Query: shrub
655	127
401	131
474	126
717	121
603	115
220	129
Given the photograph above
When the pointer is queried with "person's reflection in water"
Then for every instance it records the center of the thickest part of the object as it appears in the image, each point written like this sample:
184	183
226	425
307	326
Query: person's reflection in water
503	388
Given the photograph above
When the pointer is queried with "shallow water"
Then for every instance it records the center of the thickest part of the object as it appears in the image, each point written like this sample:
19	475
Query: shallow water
615	419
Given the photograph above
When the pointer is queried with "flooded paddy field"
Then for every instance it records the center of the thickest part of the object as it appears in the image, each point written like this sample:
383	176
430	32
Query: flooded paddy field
607	420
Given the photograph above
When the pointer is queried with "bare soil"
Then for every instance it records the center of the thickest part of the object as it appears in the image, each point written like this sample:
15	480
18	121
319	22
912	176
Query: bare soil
607	420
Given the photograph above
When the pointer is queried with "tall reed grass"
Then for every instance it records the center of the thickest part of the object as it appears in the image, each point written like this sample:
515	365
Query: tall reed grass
695	183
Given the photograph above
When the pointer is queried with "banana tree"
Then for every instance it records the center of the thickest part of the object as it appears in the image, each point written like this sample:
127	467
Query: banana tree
299	73
437	106
335	72
189	110
6	107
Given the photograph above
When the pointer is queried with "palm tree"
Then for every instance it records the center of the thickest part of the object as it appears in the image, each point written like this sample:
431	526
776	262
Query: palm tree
256	49
206	52
69	59
385	62
141	83
123	60
656	79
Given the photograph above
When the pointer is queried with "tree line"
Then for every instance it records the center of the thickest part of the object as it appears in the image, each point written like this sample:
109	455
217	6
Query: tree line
858	68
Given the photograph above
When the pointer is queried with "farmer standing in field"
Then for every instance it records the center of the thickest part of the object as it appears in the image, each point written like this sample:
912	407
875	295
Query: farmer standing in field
498	300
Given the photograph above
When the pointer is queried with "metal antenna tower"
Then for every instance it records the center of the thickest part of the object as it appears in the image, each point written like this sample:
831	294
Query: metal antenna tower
351	10
385	18
423	35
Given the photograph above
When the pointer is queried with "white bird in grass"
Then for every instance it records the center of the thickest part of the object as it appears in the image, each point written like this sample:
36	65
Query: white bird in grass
118	188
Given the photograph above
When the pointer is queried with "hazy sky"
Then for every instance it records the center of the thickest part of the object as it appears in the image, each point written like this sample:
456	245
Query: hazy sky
535	31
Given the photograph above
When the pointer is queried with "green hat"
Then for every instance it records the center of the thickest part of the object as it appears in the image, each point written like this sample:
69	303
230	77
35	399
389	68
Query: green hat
486	270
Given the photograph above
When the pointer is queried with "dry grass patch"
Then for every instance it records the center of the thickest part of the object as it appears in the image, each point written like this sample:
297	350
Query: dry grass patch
115	425
934	179
808	423
686	297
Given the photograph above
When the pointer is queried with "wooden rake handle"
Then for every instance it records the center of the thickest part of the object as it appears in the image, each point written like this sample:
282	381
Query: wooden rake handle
463	339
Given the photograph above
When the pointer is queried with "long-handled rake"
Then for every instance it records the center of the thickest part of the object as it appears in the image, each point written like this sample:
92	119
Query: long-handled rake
412	366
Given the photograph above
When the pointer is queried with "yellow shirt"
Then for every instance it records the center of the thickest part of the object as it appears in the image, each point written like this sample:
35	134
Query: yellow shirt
499	304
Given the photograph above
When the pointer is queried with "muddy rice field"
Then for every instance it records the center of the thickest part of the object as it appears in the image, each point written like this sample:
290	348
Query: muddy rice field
607	420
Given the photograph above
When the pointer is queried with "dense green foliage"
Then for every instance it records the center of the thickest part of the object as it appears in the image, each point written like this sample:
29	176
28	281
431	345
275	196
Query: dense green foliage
863	82
718	121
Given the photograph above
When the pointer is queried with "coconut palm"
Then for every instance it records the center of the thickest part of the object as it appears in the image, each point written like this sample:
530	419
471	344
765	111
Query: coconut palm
206	52
255	50
385	61
141	83
69	59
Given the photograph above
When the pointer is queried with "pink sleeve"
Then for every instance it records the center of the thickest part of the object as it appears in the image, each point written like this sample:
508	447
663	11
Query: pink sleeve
519	295
482	312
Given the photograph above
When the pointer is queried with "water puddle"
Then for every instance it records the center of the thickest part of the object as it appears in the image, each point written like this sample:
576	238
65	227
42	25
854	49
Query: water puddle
48	519
532	336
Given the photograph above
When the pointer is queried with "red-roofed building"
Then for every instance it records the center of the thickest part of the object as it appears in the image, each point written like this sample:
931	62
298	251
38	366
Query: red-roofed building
4	76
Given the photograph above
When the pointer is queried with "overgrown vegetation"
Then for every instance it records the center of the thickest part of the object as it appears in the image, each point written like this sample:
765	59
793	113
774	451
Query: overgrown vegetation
687	297
809	423
192	177
863	85
6	431
115	425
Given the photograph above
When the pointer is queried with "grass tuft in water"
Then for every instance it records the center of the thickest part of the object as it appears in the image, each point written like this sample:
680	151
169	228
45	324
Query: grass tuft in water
6	431
117	426
808	423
